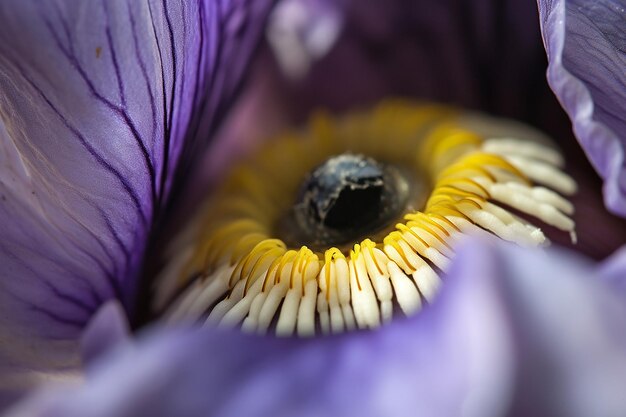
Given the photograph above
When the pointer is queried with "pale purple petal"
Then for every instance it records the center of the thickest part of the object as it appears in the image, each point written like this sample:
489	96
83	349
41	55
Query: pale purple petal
613	270
514	332
108	328
432	364
99	101
586	45
302	31
570	334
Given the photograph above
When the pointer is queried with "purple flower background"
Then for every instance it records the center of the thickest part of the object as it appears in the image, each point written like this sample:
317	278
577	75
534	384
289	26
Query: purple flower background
103	106
100	102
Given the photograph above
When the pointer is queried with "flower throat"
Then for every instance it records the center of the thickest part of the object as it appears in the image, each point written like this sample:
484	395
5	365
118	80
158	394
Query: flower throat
354	219
343	200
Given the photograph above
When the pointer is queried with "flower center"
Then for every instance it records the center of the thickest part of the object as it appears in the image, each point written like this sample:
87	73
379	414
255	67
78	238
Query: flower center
301	239
345	198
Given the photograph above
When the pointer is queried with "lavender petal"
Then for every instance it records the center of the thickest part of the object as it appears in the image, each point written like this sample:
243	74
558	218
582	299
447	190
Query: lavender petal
586	46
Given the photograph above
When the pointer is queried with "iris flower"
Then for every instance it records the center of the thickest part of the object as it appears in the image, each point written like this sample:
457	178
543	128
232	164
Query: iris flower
105	104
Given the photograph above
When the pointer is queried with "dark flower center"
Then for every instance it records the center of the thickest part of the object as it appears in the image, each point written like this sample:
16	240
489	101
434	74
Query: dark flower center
346	197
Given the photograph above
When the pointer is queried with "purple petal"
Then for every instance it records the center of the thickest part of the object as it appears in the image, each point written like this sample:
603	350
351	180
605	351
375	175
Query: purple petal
417	365
108	328
585	42
502	338
99	101
570	334
302	31
613	270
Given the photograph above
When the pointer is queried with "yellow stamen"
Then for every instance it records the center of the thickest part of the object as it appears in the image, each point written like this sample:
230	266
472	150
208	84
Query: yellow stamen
255	277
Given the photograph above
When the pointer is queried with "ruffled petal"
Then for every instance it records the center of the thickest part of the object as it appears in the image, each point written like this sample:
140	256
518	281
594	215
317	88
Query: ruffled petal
412	367
586	45
514	332
99	102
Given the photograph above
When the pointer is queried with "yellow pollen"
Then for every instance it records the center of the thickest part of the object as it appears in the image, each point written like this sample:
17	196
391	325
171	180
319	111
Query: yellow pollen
237	269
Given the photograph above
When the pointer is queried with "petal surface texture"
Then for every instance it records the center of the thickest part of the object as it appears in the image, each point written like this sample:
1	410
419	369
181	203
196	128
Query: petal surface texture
514	332
100	102
586	45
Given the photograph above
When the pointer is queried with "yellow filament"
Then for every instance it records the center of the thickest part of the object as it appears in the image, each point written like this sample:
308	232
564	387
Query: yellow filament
238	229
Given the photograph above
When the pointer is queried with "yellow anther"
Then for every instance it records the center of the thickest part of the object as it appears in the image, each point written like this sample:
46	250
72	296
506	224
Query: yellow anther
233	239
424	224
407	229
392	240
287	258
439	216
490	160
465	170
369	245
273	254
462	181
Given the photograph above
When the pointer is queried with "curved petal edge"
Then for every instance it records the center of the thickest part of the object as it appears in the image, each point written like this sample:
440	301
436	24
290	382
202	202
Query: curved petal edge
586	46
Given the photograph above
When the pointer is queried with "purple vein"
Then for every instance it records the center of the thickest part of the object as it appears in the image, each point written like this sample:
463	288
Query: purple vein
167	139
166	128
144	72
117	110
183	78
197	107
213	67
116	67
78	302
123	181
113	282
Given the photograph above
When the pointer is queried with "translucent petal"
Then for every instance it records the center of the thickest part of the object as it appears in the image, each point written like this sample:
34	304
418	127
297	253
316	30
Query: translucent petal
100	103
586	49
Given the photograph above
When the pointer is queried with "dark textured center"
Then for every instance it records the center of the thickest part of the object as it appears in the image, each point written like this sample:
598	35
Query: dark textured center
346	197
